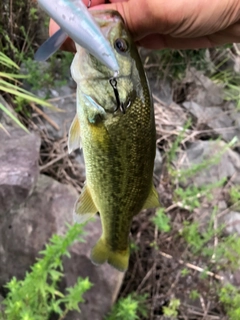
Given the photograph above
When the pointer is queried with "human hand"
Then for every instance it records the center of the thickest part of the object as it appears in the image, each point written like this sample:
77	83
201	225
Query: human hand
182	24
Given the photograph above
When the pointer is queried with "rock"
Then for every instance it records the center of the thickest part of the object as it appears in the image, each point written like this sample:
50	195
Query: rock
227	166
203	90
26	230
106	280
232	222
222	122
19	155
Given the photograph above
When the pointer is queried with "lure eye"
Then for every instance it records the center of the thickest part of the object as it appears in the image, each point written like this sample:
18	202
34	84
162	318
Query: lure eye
121	45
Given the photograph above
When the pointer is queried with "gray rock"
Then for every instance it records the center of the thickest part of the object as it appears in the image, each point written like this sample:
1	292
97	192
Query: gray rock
227	166
223	122
232	222
19	155
203	90
25	230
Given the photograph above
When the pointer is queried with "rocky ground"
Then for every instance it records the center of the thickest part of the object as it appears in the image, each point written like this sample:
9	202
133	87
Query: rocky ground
39	183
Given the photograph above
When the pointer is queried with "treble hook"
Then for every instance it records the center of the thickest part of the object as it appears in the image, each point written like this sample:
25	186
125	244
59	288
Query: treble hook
113	83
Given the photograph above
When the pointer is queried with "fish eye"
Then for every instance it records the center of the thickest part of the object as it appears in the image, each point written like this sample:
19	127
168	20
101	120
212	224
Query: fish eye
121	45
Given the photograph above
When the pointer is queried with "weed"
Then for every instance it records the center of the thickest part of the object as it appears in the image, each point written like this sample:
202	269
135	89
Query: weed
130	308
162	221
229	295
234	195
190	197
37	296
194	294
171	310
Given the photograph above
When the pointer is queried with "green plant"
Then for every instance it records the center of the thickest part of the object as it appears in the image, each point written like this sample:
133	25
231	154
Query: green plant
162	221
194	294
229	295
37	296
134	247
50	74
172	309
190	197
130	308
172	152
234	195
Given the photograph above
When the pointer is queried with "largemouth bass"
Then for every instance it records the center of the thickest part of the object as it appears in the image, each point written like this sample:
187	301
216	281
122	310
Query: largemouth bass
115	127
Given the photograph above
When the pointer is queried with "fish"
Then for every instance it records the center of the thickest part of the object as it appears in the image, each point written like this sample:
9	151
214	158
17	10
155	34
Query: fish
115	127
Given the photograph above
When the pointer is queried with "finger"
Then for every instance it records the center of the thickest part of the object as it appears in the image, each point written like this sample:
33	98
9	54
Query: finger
157	41
180	19
229	35
136	17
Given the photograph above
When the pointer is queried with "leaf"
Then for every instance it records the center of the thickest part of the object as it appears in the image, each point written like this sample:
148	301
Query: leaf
13	118
7	61
17	92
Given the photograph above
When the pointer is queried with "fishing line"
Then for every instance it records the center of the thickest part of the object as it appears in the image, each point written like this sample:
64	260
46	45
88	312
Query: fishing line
113	83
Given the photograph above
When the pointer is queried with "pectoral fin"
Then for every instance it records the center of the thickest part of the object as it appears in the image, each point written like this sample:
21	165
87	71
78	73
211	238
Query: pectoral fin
74	139
95	112
152	200
84	207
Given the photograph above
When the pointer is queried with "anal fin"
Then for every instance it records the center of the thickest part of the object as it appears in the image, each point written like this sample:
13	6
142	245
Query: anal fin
152	199
84	207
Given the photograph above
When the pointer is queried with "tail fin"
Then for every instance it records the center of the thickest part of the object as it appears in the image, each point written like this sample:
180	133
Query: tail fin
102	253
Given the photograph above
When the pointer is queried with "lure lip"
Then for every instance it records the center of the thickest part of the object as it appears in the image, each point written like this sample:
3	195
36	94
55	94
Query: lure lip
74	18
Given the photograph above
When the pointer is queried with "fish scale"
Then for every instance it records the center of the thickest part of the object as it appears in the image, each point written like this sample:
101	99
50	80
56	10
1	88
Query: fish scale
119	148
